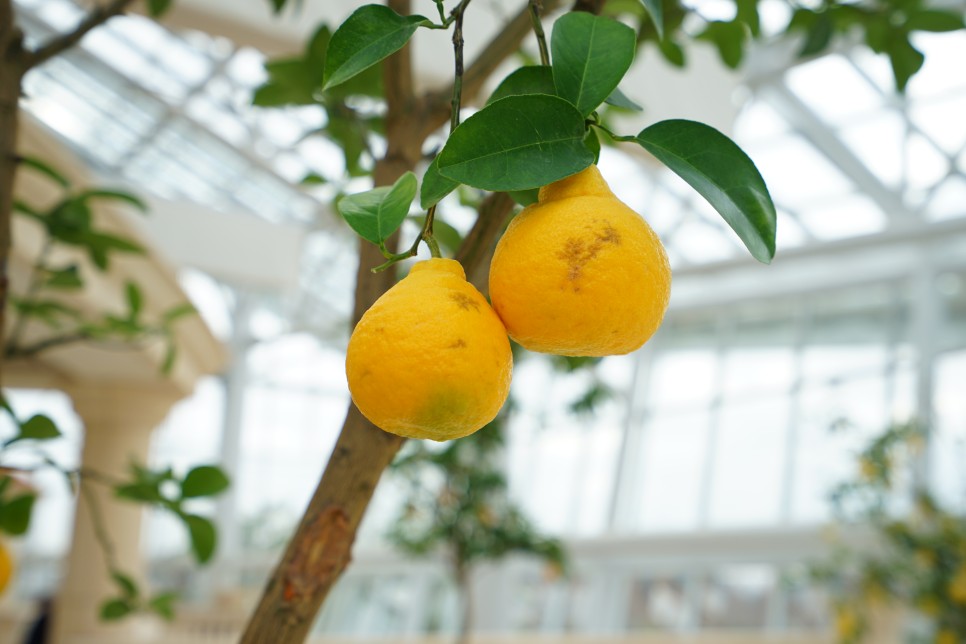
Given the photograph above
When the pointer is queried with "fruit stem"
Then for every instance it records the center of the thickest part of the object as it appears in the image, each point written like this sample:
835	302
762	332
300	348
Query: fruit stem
535	8
615	137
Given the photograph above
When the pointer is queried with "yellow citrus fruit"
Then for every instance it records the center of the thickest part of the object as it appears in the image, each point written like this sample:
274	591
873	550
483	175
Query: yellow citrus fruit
579	273
946	637
957	586
6	567
430	359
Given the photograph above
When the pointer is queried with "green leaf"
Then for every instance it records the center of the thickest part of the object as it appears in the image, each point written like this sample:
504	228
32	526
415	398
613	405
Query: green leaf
351	136
170	355
906	61
655	9
177	312
134	300
39	427
525	197
377	213
533	79
369	35
114	609
617	98
748	14
516	143
722	173
46	170
15	518
157	8
139	492
163	605
819	35
65	278
203	536
313	179
290	82
591	54
127	585
205	480
592	143
435	186
115	195
729	38
936	21
672	52
278	5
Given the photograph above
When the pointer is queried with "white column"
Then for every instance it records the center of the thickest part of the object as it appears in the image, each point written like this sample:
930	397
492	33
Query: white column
118	421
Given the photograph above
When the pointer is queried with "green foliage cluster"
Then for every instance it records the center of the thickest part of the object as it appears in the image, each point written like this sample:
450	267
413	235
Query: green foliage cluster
70	223
458	504
918	560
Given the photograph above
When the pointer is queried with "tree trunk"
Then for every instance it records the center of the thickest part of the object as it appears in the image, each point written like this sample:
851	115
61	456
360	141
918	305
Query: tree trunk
464	586
11	75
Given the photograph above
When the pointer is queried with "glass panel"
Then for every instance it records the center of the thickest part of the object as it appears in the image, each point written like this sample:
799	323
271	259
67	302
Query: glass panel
670	470
747	472
832	87
948	451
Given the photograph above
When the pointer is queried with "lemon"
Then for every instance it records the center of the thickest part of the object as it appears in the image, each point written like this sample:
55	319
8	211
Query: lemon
579	273
6	567
430	359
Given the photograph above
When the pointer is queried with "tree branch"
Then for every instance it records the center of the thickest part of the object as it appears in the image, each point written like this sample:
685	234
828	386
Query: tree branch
436	104
59	44
30	350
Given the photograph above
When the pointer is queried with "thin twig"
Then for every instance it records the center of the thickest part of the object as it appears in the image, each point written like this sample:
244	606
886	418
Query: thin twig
30	350
456	102
34	286
59	44
100	530
536	7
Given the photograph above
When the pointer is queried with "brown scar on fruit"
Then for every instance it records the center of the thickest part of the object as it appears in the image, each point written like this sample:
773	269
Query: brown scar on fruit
577	252
318	558
465	302
459	344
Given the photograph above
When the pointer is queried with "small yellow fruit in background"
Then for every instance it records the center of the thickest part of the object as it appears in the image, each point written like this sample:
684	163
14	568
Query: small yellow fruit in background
957	586
579	273
6	567
430	359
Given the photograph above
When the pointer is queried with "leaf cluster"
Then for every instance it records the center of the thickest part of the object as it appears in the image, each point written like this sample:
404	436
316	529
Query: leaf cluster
70	223
919	559
165	490
458	503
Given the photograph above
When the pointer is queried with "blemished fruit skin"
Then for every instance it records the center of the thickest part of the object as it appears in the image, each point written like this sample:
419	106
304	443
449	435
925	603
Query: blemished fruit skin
430	359
6	567
579	273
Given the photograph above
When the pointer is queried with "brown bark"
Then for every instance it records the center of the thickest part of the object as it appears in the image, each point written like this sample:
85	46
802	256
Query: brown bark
11	73
320	548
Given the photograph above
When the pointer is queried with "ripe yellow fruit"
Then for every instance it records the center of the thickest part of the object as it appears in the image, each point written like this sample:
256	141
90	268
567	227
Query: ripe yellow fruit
430	359
6	567
579	273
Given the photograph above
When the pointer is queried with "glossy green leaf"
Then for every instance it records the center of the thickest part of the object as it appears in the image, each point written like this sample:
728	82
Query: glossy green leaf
617	98
46	170
115	609
592	143
936	21
64	278
377	213
516	143
157	8
205	480
748	14
369	35
15	514
163	605
672	52
532	79
435	186
655	9
525	197
723	174
819	35
203	536
134	300
729	38
127	585
906	60
590	56
39	427
114	195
